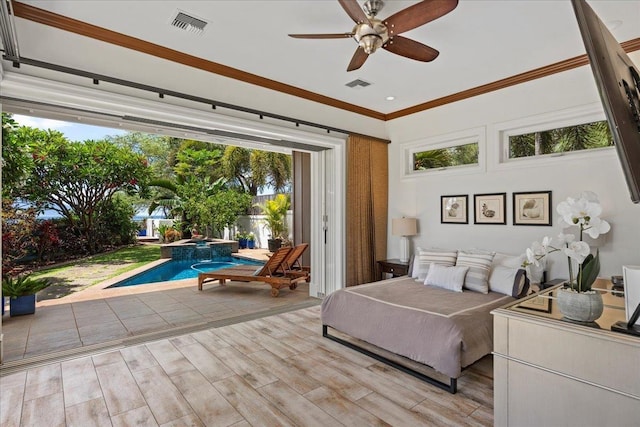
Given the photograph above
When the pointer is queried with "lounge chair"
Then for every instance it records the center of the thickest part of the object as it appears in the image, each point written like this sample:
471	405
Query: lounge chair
292	266
270	273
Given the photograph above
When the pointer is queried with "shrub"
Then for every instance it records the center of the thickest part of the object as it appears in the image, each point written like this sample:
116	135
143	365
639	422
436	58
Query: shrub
115	225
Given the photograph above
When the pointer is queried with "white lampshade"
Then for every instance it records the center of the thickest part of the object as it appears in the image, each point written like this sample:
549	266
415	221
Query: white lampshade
404	226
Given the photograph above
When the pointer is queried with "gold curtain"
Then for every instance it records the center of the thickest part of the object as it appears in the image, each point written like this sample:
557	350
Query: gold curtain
366	207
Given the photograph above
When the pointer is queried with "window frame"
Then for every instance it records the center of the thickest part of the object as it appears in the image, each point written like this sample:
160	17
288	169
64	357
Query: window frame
470	136
544	122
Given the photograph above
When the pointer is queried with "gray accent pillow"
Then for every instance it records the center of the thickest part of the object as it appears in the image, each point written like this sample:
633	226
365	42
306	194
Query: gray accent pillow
479	264
425	257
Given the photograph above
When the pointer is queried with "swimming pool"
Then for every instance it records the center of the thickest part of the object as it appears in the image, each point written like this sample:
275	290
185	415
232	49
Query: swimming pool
186	269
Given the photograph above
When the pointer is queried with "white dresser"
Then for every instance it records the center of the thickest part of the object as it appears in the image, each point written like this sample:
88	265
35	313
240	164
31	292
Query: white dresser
552	372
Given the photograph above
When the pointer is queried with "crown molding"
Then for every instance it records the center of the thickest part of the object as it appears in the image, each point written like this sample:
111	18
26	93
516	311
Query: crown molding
558	67
75	26
45	17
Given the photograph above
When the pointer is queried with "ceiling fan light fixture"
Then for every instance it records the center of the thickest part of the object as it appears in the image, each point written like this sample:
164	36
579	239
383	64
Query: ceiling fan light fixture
372	7
370	43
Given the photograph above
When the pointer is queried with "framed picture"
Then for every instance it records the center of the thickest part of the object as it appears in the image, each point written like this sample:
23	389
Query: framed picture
454	209
532	208
539	303
490	208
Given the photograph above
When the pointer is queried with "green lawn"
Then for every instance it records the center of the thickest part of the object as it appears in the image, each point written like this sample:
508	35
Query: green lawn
130	257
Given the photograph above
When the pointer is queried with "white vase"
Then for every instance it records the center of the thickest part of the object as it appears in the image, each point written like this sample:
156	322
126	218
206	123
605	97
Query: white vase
580	306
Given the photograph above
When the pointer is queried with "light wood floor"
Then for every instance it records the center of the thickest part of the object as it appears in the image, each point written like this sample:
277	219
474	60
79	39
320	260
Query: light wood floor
274	371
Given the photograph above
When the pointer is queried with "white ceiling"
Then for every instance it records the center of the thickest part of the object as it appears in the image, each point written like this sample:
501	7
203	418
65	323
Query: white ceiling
481	41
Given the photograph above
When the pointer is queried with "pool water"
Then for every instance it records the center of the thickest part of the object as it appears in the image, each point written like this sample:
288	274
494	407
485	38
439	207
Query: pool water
177	270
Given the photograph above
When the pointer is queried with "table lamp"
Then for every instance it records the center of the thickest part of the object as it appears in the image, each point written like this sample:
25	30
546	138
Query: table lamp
404	227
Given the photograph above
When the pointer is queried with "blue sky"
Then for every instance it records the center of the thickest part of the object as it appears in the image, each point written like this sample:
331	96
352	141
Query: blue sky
73	131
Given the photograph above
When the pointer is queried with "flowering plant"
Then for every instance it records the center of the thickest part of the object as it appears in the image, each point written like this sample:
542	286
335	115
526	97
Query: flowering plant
584	213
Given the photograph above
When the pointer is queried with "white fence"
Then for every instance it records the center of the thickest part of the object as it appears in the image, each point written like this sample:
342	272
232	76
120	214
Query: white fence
255	224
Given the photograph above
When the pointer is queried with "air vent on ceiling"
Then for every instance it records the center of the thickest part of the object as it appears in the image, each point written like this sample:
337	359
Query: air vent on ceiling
358	83
188	23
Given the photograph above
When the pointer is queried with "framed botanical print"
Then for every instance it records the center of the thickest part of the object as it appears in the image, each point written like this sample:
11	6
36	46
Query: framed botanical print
490	208
532	208
454	209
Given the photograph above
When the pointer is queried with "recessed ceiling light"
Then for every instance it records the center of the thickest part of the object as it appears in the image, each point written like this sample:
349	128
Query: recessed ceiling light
614	24
390	98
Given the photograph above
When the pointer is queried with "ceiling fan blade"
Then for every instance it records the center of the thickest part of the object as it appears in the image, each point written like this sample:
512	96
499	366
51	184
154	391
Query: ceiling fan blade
418	14
358	59
354	10
321	36
411	49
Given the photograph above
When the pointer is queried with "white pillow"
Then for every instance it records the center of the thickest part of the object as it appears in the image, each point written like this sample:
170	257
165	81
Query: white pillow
451	278
479	264
506	260
425	257
503	279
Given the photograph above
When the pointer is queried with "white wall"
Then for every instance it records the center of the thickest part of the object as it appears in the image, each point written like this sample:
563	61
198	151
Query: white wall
256	224
565	176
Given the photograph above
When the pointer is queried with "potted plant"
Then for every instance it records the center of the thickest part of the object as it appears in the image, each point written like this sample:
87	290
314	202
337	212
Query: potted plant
576	300
162	229
251	241
21	291
275	212
241	236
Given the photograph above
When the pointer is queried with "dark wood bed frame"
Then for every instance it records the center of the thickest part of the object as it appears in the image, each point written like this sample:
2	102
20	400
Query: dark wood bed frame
452	387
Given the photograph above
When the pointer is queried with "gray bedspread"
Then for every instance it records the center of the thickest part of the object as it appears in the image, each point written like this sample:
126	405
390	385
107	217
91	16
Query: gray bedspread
443	329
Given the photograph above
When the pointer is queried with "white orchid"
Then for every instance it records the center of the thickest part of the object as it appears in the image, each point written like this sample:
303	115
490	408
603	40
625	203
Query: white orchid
596	227
577	251
532	258
583	212
565	239
578	211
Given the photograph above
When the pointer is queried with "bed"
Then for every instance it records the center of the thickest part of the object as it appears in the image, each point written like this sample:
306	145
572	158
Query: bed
444	330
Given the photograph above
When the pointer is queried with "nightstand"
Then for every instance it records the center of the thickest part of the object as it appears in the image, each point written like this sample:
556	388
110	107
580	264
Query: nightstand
395	267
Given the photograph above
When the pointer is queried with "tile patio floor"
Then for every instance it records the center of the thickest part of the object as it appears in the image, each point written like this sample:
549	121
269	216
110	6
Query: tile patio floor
98	316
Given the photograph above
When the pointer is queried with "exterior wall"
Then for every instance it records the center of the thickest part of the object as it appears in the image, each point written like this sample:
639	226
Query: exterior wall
565	176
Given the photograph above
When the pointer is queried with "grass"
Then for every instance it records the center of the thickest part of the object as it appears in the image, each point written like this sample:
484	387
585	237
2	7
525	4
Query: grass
140	254
130	257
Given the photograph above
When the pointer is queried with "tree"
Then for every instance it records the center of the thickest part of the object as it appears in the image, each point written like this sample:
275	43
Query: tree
16	161
165	196
254	170
198	159
74	178
211	205
160	151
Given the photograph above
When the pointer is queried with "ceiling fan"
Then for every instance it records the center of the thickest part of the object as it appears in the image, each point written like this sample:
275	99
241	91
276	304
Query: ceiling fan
371	33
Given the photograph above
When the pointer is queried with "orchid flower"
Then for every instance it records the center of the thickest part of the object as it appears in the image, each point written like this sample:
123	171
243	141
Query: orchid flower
577	251
583	212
